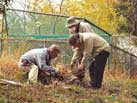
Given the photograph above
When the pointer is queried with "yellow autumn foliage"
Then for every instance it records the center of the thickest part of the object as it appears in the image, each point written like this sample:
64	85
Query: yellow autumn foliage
101	12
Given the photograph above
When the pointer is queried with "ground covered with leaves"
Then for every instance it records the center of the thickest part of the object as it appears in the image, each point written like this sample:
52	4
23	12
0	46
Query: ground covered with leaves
115	89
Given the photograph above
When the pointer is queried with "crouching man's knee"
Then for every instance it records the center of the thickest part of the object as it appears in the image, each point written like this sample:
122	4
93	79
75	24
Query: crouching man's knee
33	74
23	67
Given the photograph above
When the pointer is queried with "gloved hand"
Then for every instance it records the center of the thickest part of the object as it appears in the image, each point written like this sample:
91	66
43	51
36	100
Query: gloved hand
54	72
80	72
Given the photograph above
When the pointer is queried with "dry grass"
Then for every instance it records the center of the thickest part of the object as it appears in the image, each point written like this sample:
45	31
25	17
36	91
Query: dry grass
117	87
8	64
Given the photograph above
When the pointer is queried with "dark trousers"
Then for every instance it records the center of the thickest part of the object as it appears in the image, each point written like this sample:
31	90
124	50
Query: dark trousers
96	69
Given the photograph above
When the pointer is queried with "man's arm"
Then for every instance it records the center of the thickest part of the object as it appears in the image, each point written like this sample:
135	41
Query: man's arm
41	62
76	55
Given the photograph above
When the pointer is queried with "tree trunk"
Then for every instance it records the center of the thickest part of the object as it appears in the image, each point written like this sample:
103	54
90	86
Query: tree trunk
135	17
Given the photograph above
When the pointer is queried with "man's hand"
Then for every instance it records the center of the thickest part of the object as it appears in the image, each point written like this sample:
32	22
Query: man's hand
81	67
80	72
72	64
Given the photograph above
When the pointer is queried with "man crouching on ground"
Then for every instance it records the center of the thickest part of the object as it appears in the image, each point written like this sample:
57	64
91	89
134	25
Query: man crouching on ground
38	60
95	51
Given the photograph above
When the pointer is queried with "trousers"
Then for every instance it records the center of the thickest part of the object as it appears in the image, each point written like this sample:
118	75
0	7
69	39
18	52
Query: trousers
96	69
31	69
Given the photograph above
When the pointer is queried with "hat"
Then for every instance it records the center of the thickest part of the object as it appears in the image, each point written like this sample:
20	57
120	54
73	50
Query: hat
72	21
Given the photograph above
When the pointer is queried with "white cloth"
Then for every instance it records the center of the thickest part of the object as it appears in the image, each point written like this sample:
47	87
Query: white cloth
32	69
33	74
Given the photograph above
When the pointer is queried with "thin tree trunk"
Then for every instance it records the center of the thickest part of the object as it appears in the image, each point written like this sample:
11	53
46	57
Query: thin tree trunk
56	19
135	17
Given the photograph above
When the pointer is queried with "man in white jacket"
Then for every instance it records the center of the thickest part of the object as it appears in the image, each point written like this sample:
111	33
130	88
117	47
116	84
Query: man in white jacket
39	59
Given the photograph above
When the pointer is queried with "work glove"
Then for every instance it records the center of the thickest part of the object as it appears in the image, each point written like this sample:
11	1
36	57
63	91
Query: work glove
54	72
57	75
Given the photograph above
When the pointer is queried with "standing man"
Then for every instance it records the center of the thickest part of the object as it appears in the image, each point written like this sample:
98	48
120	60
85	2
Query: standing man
95	52
75	26
37	60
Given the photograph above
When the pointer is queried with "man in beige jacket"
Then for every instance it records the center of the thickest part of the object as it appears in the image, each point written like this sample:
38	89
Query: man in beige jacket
95	52
75	26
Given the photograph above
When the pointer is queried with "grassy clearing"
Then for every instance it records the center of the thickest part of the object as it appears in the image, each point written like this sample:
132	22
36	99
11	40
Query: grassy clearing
117	87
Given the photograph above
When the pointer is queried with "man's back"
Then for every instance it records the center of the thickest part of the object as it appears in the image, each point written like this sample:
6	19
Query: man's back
85	27
38	56
94	41
34	53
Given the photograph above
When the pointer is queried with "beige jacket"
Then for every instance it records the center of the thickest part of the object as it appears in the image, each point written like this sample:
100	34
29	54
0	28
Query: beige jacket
91	45
85	27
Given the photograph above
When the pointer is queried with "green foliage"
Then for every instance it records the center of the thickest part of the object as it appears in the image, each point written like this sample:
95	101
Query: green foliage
134	39
0	25
128	10
1	100
122	25
101	13
35	24
115	16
